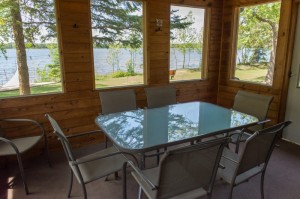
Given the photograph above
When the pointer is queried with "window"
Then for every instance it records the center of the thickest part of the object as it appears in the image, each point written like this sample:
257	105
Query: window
188	43
117	42
257	33
29	58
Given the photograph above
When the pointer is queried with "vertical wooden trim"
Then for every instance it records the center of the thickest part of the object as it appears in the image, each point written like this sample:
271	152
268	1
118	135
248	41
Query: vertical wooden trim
146	53
59	43
291	43
234	48
205	48
92	47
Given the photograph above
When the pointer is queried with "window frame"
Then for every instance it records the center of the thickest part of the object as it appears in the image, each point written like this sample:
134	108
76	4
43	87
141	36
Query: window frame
144	53
205	48
234	49
59	47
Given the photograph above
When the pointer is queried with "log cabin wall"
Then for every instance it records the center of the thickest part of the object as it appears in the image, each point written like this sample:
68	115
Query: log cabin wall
229	87
76	108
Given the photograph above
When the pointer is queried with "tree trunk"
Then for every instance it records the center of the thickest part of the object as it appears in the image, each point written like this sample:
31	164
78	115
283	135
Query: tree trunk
270	73
183	61
20	49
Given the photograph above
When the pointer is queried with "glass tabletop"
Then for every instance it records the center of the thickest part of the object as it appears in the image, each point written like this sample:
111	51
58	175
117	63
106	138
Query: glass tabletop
144	129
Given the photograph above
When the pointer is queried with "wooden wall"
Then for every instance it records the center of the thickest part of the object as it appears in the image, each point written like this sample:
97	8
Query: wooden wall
76	108
228	87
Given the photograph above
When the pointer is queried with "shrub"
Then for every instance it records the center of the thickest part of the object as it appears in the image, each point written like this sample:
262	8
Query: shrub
119	73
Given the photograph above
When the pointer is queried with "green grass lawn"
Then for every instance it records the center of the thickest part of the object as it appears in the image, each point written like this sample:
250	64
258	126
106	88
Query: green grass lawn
253	75
47	88
250	74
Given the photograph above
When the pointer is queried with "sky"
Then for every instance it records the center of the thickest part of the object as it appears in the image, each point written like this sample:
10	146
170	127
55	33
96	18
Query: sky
198	14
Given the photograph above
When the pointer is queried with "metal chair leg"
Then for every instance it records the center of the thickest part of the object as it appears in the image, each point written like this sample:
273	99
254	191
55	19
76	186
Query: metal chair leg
22	173
140	193
124	181
70	184
157	156
262	185
231	190
237	146
116	175
106	140
84	191
47	151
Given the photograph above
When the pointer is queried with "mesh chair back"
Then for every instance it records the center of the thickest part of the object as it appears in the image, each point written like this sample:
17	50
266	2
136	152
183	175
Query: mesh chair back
62	138
259	147
117	101
160	96
253	104
189	168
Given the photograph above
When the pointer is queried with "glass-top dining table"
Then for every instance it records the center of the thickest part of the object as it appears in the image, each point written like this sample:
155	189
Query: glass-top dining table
142	130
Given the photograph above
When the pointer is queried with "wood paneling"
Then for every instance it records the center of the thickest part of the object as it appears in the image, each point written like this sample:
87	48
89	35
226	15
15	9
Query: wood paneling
227	87
76	108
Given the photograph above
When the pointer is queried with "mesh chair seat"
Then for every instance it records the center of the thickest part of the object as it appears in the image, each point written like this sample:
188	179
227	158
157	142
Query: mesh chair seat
91	171
23	144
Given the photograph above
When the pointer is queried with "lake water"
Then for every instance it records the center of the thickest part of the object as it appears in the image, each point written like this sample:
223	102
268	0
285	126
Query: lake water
40	58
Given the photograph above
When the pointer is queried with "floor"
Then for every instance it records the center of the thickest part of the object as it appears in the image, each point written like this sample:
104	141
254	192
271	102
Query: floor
282	179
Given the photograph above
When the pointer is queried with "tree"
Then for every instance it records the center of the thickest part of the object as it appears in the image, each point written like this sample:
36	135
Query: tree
186	38
113	57
25	19
111	19
134	45
259	30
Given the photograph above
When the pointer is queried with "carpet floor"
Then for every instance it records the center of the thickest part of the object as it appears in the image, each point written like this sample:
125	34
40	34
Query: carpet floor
282	180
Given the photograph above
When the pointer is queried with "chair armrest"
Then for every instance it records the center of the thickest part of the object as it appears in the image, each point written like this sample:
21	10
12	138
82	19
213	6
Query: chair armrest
83	134
104	156
227	158
221	166
96	158
26	120
141	175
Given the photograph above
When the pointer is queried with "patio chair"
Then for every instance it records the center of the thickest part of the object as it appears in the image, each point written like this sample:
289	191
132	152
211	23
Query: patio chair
253	160
160	96
90	167
117	101
187	172
253	104
18	146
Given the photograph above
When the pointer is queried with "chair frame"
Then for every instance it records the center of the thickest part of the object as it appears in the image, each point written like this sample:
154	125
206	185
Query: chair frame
277	129
150	93
71	158
103	97
242	93
155	91
202	145
18	153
